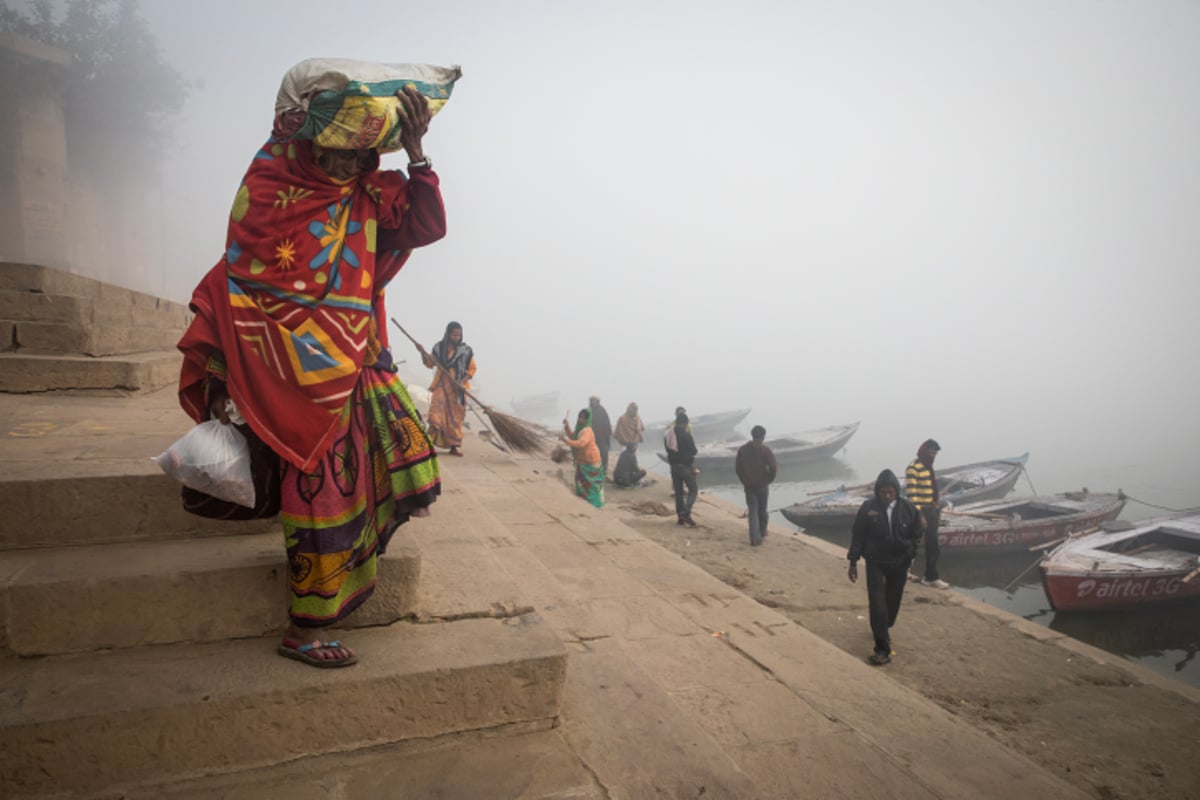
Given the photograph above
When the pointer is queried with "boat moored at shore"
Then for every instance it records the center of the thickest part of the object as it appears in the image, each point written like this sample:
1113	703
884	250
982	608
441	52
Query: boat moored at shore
1150	562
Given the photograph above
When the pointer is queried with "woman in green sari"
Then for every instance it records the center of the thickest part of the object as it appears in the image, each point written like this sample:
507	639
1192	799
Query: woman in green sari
589	473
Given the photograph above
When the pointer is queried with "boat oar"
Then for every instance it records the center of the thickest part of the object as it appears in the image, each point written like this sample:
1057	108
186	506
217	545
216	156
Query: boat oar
517	434
1048	545
1015	580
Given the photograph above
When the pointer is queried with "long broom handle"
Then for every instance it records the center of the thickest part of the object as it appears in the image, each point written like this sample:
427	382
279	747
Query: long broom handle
440	365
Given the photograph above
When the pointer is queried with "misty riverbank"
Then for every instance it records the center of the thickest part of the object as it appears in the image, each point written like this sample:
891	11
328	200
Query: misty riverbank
1108	726
1164	639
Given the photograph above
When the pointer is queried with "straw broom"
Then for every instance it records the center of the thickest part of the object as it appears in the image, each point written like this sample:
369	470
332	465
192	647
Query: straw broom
516	433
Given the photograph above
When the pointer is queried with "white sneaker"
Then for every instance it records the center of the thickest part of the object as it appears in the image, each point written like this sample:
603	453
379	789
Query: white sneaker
936	584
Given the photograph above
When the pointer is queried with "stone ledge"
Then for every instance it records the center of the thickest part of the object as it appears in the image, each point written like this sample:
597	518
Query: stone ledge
22	372
82	599
85	725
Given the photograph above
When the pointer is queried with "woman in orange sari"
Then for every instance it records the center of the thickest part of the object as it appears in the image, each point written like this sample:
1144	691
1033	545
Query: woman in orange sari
455	363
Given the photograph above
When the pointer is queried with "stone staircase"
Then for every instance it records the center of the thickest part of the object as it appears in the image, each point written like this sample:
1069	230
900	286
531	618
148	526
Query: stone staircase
59	330
137	643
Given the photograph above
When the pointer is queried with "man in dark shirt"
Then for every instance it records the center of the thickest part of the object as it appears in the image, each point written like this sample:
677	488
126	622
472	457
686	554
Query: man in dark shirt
756	469
627	472
683	473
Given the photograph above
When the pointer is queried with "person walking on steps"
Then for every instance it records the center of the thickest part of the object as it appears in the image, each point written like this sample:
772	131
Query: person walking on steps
920	486
886	533
755	466
288	331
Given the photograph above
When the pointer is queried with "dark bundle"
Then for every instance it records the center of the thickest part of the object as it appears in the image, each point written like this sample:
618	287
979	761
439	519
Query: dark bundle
516	433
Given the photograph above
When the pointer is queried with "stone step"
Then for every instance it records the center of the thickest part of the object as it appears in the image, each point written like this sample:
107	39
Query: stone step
22	372
45	280
108	722
93	510
52	338
526	762
83	312
82	599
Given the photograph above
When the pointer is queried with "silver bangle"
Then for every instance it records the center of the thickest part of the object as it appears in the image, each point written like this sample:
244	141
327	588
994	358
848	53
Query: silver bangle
426	162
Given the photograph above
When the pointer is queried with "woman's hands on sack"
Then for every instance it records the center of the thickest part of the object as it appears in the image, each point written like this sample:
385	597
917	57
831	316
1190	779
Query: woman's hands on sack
415	109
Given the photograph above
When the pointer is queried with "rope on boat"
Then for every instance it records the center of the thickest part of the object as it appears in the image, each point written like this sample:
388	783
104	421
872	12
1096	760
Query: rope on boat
1162	508
1025	470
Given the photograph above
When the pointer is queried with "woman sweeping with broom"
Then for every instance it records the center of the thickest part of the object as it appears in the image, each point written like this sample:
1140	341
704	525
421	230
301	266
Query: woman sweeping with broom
589	472
455	363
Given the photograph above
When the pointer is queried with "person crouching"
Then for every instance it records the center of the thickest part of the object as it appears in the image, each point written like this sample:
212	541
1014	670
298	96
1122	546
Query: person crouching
886	532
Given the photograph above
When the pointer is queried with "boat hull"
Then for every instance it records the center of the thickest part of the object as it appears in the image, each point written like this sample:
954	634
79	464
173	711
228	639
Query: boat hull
837	509
708	428
1095	592
1149	563
1023	533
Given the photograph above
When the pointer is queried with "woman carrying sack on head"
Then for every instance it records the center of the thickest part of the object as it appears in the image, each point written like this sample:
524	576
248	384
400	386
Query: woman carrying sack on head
289	326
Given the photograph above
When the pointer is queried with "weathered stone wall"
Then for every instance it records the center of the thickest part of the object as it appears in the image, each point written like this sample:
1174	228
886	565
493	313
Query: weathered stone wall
57	208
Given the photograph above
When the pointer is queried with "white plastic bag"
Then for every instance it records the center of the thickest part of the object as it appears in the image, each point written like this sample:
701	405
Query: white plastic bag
214	459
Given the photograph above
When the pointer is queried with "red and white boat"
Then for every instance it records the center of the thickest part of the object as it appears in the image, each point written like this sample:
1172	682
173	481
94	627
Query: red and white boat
1023	522
1154	561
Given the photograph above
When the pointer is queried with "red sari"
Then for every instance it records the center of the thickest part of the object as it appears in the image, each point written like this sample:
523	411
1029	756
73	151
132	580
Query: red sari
291	320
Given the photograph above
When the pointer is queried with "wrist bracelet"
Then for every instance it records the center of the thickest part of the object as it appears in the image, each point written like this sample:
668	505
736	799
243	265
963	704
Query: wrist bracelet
425	162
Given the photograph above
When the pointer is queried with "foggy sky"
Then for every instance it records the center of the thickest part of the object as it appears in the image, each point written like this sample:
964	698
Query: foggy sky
974	220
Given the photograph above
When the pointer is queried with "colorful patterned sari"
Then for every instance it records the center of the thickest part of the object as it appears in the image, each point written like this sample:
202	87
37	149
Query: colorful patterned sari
448	402
589	471
288	321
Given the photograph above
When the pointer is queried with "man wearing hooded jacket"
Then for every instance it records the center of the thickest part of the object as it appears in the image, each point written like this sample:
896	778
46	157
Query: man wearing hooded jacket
886	533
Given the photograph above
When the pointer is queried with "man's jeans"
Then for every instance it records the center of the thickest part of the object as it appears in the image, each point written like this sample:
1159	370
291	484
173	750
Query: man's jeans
932	550
683	475
756	510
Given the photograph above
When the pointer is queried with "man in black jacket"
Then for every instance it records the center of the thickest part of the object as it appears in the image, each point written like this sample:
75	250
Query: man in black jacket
681	457
886	532
756	467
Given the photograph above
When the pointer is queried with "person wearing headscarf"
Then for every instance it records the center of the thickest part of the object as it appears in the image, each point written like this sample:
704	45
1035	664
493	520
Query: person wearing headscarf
630	429
454	362
920	486
629	432
602	428
589	475
682	458
288	332
886	532
755	466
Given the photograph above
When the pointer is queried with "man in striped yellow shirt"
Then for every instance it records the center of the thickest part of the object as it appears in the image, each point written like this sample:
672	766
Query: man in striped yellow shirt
920	486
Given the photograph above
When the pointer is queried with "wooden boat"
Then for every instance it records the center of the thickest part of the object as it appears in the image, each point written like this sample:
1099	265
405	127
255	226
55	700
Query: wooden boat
709	427
789	448
1022	522
537	406
1154	561
982	480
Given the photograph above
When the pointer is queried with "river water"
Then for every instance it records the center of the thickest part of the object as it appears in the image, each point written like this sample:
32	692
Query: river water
1165	639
